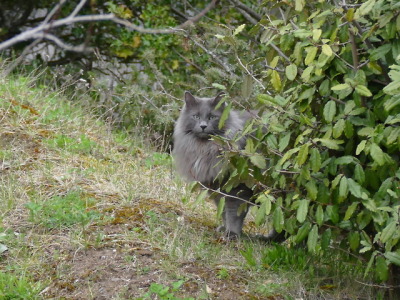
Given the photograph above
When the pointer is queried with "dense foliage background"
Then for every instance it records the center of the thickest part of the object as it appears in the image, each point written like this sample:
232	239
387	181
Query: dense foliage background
325	76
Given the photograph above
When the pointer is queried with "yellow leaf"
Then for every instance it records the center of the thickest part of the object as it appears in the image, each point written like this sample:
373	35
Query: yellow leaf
326	49
175	64
311	53
316	34
136	41
276	80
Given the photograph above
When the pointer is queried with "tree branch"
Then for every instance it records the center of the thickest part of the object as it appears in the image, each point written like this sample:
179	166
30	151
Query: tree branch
43	28
246	9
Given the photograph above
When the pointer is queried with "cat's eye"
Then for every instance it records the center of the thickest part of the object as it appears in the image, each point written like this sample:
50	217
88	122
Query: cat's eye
212	117
196	117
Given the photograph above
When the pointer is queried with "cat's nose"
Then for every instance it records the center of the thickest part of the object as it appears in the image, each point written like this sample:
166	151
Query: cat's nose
203	127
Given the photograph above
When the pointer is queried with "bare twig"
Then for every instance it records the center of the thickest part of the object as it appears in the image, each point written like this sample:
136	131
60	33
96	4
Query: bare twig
78	8
248	72
246	9
227	195
354	50
61	44
54	11
42	29
337	100
215	57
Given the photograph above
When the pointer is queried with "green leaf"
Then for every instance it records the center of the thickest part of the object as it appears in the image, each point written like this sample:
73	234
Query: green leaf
354	188
331	144
219	86
276	81
267	99
260	215
343	189
315	160
350	211
312	239
366	131
377	154
327	50
203	195
393	257
311	53
319	215
312	190
380	52
278	220
345	160
392	102
291	72
382	269
288	154
359	174
354	240
239	29
303	232
340	87
336	181
303	154
332	212
348	129
364	9
302	210
383	189
284	141
224	116
389	231
362	90
258	160
247	86
330	111
316	34
338	128
370	262
299	5
361	147
220	208
307	73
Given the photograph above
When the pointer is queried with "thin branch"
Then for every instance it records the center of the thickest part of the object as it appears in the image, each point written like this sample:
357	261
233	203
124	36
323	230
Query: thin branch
247	16
78	8
61	44
246	9
277	49
215	57
354	50
337	100
72	19
227	195
54	11
248	72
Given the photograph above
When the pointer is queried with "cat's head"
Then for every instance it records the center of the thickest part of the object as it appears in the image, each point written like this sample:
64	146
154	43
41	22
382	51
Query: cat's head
200	116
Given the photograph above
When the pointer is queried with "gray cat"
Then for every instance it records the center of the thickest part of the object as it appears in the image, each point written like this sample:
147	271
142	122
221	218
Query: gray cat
199	159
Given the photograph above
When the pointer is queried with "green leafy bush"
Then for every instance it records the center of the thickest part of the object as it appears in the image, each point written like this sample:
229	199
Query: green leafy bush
328	88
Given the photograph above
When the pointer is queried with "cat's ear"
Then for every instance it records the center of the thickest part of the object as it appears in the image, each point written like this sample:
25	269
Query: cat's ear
218	98
190	99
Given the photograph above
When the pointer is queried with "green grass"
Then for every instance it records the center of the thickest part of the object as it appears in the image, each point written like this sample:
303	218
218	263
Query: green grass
63	211
85	211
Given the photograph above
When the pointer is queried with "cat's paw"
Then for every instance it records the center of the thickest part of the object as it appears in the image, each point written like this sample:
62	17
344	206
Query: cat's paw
220	228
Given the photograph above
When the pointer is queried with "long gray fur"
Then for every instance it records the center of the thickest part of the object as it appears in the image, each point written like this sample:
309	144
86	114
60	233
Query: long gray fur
198	158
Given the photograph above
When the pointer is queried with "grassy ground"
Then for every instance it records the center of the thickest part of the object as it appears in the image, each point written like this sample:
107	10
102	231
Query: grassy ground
89	214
